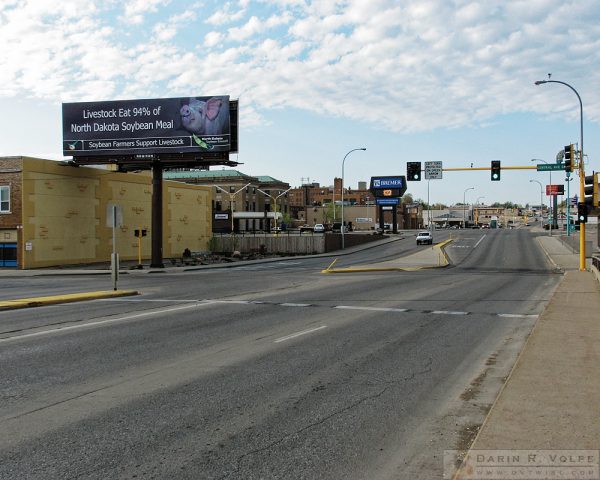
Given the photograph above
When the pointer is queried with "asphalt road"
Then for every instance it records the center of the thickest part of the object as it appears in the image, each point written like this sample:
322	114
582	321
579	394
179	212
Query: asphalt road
269	370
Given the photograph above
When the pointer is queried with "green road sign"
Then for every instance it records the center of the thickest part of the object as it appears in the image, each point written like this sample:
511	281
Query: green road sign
549	167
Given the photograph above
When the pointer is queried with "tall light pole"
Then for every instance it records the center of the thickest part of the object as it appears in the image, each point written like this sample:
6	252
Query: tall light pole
581	170
464	200
541	201
274	200
551	209
231	198
343	162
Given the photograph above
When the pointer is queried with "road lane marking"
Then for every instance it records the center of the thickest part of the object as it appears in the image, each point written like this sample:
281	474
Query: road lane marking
349	307
516	315
297	334
372	309
448	312
104	322
480	241
234	302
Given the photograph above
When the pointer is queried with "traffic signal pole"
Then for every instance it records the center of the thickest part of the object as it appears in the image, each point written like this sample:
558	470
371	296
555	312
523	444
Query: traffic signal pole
581	170
582	198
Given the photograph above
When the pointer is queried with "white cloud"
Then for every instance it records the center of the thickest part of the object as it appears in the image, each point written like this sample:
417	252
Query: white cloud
228	14
136	9
212	38
405	66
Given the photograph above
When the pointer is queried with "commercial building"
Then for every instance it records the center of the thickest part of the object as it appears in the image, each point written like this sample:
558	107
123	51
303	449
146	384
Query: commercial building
244	202
55	215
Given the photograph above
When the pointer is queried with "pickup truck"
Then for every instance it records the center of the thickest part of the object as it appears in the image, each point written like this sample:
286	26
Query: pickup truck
424	238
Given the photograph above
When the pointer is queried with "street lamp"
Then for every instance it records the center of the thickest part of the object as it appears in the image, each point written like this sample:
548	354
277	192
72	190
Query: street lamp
541	201
464	200
231	197
551	209
343	162
581	170
274	200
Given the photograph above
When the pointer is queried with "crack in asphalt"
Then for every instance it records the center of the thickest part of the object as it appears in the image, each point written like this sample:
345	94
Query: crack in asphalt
280	440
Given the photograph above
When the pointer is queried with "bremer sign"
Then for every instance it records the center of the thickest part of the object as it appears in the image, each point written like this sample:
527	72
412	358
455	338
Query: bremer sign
128	127
388	186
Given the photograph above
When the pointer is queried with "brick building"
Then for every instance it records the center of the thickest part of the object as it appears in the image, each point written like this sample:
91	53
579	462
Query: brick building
57	215
252	202
10	209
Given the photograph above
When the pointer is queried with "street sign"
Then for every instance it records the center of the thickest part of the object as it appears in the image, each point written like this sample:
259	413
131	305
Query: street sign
114	215
433	170
387	201
555	189
549	167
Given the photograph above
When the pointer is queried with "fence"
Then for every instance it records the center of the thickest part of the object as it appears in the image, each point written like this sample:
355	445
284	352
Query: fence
288	243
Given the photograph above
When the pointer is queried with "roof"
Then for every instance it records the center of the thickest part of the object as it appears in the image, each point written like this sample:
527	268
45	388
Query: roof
212	175
207	174
267	179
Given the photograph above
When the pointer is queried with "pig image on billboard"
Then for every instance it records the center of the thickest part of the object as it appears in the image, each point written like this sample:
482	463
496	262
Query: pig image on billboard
210	117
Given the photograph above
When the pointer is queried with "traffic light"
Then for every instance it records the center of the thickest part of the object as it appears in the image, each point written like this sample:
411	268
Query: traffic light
591	191
569	158
582	212
495	170
413	171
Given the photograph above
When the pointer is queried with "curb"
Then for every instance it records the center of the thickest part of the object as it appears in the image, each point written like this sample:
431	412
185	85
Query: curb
68	298
460	473
556	266
392	269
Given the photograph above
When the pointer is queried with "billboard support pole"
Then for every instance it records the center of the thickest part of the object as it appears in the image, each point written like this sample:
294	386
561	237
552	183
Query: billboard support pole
157	210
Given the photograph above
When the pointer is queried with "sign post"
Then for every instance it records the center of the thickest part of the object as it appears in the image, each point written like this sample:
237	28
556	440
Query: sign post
114	219
433	171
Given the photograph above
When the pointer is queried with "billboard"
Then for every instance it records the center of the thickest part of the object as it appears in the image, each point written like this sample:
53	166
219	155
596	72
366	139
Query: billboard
131	127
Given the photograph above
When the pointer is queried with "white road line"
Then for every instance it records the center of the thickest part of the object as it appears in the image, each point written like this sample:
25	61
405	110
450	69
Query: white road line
484	235
516	315
295	304
104	322
372	309
303	332
235	302
448	312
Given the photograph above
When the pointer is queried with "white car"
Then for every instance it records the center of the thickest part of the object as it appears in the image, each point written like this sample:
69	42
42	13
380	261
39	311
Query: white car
424	238
319	228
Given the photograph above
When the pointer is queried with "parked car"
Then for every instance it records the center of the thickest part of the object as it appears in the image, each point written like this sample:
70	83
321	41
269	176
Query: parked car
337	227
424	238
319	228
306	228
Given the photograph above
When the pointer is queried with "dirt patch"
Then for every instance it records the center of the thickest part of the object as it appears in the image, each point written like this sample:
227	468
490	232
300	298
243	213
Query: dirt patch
471	392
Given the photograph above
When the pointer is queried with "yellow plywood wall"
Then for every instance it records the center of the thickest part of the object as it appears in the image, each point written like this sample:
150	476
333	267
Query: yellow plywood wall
188	218
65	215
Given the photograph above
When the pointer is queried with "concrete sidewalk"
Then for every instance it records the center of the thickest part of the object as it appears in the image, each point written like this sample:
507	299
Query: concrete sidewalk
551	400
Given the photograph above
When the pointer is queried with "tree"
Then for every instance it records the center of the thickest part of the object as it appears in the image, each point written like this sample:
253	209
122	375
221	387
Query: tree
407	199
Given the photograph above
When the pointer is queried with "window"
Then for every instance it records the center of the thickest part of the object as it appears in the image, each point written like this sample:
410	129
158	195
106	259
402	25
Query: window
4	199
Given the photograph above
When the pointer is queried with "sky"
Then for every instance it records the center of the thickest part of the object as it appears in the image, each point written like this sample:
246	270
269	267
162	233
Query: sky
409	80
